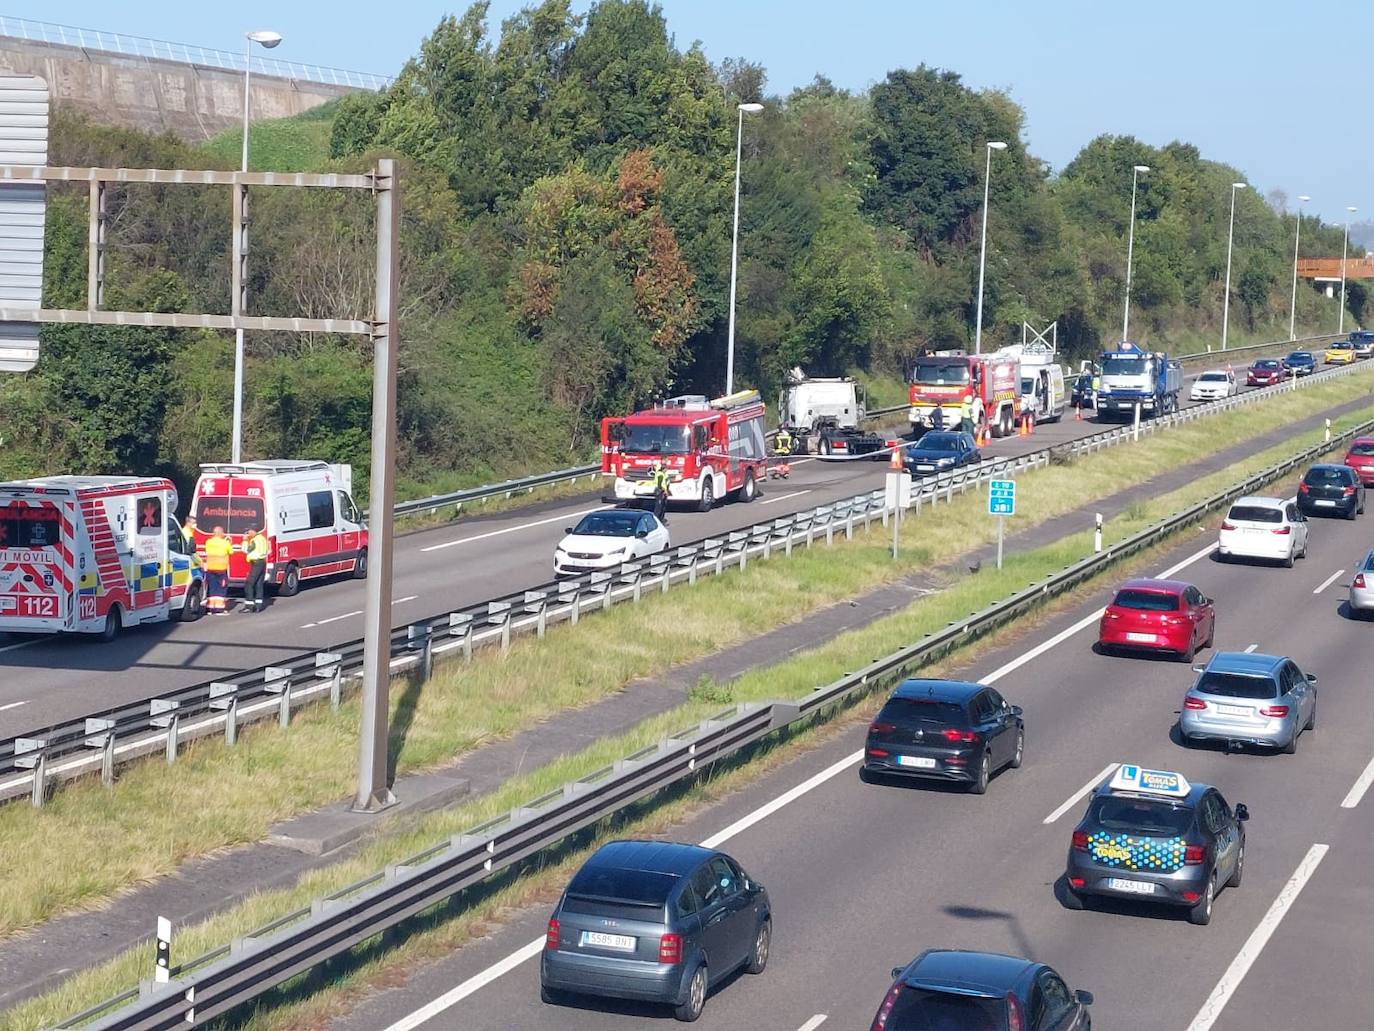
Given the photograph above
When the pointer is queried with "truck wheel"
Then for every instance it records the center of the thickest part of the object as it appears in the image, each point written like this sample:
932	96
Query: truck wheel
750	490
193	606
360	566
1008	427
113	624
290	582
825	447
708	494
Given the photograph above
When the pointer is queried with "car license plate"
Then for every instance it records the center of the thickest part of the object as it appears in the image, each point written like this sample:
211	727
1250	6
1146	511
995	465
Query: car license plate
918	761
622	942
925	468
1131	887
1140	637
1326	504
1235	710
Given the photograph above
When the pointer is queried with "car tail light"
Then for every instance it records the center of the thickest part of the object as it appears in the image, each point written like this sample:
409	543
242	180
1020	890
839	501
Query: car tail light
1080	841
1016	1021
1194	703
1276	712
551	938
1109	614
1303	488
956	760
1359	581
885	1010
1228	526
1193	855
670	948
1175	620
879	753
881	728
1191	896
1282	531
1076	882
967	737
1349	492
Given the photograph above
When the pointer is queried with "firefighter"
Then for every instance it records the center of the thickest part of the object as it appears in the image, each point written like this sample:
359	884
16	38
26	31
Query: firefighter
966	415
782	443
659	479
255	550
937	418
218	548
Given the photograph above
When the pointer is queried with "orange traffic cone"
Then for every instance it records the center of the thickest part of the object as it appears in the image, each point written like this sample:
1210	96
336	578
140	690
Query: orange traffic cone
896	462
1078	412
1023	430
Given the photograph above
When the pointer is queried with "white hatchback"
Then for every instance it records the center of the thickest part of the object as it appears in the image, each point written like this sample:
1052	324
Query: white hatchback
605	539
1213	384
1264	528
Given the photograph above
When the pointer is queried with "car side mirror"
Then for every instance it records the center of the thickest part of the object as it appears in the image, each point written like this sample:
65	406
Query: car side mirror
896	973
1242	812
1199	669
1016	710
1311	678
1083	998
641	533
567	529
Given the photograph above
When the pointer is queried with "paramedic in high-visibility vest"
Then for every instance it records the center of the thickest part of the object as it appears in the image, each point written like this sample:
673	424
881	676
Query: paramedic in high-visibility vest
966	415
188	533
218	548
782	443
660	480
255	548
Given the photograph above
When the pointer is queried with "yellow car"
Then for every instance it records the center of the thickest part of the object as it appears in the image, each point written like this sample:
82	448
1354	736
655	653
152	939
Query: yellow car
1340	353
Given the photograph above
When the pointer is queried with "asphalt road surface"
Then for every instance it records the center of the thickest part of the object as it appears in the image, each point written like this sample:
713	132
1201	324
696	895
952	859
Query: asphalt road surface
863	877
46	680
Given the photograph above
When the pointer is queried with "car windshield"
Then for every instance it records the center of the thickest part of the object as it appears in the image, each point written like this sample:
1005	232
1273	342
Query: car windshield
1235	685
1146	601
1300	357
609	524
1362	448
926	1009
1341	345
940	442
1212	377
1369	561
1123	365
1266	366
631	887
236	515
924	710
1326	474
1143	816
1255	514
654	438
937	373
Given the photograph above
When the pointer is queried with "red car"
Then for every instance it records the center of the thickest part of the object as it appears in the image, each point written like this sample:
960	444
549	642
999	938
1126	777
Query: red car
1266	372
1360	457
1158	615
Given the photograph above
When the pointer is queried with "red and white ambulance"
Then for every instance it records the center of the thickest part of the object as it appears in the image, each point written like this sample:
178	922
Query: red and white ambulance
306	508
92	554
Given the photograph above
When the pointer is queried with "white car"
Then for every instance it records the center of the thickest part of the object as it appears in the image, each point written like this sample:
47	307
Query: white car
1264	528
605	539
1214	384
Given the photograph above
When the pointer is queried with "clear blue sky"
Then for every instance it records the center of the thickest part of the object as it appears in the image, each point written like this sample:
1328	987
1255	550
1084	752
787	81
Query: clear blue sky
1278	89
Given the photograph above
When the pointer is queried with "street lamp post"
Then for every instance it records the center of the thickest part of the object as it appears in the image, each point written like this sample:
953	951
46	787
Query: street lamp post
266	39
1293	304
743	109
983	250
1130	252
1230	237
1345	247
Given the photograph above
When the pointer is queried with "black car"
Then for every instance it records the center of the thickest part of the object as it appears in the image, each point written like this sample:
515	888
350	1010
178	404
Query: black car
658	922
980	991
1150	836
1301	363
940	451
944	730
1331	490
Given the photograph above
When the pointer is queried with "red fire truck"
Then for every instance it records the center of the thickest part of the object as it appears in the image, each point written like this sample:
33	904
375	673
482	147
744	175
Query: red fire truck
709	448
944	379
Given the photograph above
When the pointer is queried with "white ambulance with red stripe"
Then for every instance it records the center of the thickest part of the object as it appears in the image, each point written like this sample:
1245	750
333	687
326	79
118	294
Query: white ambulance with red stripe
92	554
313	527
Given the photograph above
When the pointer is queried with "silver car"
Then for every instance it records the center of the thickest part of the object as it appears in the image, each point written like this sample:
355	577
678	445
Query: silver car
1362	589
1246	699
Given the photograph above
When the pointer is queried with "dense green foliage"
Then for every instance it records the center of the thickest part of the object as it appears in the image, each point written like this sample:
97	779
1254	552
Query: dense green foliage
568	196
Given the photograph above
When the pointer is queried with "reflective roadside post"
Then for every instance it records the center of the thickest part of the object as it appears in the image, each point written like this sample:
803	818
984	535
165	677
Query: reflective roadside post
1135	430
898	493
1097	533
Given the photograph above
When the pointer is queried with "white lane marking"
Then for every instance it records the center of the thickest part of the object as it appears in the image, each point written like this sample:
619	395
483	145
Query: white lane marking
813	1023
1360	786
784	497
513	529
402	601
12	705
1249	952
332	619
1187	561
451	998
1328	581
1077	796
21	644
1251	648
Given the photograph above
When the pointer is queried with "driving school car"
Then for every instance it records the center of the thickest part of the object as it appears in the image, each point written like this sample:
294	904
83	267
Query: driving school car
1151	836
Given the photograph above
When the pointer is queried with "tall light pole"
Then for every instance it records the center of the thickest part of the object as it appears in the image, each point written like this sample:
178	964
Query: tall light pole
1293	304
1130	252
1345	246
983	250
266	39
743	110
1230	237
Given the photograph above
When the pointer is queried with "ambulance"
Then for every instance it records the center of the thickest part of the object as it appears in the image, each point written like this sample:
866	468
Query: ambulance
93	554
313	527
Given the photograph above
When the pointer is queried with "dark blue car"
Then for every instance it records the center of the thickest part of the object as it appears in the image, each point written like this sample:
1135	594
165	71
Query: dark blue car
1301	363
940	451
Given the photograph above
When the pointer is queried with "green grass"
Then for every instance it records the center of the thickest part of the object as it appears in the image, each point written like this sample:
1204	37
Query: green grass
296	144
800	674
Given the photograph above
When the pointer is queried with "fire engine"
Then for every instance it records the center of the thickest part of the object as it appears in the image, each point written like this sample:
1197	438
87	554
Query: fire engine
92	554
943	380
306	509
709	449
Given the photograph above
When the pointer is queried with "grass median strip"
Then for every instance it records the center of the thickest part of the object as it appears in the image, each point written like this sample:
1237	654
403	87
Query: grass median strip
452	925
214	797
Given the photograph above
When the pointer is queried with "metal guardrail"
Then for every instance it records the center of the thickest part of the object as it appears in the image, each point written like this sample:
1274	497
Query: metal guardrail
161	50
228	977
508	488
104	739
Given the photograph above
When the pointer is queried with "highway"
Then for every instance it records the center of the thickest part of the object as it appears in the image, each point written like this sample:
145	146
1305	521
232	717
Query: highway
46	680
863	877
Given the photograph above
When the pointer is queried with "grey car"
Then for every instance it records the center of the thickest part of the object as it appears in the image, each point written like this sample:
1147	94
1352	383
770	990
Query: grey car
1247	699
658	922
1362	589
